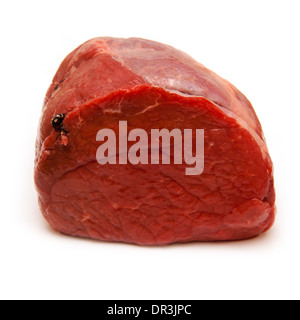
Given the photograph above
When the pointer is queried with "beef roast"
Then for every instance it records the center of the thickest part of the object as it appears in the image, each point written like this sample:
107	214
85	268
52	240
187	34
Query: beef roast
151	86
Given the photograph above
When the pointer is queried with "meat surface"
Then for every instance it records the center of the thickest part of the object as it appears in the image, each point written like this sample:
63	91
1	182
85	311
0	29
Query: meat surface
151	86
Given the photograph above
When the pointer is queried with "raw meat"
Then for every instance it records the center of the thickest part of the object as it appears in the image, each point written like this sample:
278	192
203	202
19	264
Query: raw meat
151	86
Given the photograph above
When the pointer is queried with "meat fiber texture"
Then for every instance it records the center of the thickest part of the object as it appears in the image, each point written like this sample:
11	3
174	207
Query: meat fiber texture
151	86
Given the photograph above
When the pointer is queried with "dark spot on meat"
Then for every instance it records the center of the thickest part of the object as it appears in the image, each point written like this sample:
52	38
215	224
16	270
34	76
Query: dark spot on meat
57	123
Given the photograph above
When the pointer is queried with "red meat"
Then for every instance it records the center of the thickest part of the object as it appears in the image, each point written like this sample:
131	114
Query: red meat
151	86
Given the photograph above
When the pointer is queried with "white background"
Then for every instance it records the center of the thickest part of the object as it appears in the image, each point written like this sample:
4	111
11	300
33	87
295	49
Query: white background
254	45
